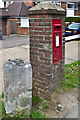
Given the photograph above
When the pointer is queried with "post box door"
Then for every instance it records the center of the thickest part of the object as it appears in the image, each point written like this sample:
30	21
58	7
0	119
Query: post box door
57	43
57	47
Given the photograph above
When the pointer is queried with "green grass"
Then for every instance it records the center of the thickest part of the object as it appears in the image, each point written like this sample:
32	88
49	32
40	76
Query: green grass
37	114
2	110
44	105
72	76
34	113
35	100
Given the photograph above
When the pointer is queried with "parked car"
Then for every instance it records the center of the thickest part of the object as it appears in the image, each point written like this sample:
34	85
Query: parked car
72	29
0	34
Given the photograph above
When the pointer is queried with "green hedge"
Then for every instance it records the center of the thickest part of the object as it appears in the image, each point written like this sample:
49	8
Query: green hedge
72	19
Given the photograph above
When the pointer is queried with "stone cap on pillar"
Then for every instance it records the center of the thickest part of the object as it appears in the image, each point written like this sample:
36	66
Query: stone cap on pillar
46	8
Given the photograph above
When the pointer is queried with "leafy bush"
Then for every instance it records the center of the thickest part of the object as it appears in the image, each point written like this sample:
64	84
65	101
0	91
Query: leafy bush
72	19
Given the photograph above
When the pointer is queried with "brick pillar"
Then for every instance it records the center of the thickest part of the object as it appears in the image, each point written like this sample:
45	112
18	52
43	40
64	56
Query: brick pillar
46	76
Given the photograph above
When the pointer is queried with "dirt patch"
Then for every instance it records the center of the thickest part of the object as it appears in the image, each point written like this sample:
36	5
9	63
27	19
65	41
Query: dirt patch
66	99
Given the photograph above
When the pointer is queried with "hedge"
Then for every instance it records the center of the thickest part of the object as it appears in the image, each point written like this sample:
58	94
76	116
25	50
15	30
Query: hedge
72	19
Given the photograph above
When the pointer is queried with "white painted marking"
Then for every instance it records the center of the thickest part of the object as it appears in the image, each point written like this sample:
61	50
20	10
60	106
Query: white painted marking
72	37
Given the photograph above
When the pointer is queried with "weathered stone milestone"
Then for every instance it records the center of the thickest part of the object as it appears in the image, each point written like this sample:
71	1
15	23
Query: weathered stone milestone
17	85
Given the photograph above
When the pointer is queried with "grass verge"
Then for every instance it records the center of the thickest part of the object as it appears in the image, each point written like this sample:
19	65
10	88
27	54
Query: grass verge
72	76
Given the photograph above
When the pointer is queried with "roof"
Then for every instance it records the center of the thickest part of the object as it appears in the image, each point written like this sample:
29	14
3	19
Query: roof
16	9
73	1
48	0
46	6
3	12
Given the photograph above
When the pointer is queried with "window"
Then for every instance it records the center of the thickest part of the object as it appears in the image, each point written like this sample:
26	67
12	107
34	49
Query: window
76	6
7	4
57	3
24	22
70	5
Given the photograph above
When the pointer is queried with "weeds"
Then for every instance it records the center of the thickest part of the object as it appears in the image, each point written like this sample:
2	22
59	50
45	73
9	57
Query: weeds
72	76
44	105
35	100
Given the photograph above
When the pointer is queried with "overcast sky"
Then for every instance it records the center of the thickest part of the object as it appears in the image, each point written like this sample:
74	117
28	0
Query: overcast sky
1	4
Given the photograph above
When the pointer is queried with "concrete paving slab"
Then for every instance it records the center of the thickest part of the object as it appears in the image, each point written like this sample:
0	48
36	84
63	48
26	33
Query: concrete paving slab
72	51
73	112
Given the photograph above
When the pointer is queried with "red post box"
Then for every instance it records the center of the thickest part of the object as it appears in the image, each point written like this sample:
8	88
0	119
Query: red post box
57	40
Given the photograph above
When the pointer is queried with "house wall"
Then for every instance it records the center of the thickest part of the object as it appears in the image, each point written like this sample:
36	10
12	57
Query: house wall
63	5
76	13
20	30
1	22
3	25
79	11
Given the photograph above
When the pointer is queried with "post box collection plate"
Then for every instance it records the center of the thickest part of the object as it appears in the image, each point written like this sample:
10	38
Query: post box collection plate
57	40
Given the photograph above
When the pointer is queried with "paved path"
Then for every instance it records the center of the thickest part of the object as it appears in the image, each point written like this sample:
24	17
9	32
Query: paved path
72	51
15	40
74	112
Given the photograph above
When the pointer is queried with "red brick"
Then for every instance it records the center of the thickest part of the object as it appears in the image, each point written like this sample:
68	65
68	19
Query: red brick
44	24
38	29
39	46
44	51
38	20
44	33
48	29
47	20
34	49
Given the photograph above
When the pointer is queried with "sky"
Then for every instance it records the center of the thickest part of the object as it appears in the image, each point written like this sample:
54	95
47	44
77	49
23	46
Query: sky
1	4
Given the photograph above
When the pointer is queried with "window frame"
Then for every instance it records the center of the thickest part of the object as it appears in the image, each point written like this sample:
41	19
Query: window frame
26	18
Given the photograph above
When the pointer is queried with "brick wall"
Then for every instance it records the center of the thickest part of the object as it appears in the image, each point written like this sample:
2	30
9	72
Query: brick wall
8	27
20	30
46	76
75	12
64	5
79	11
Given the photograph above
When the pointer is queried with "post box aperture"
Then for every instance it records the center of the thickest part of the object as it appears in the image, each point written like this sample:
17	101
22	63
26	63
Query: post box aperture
57	40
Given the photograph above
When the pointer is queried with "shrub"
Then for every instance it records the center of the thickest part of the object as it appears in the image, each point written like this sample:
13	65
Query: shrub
72	19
